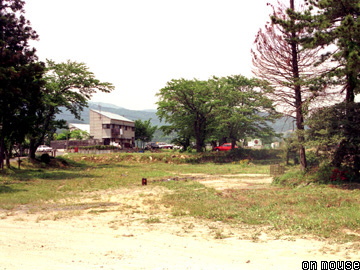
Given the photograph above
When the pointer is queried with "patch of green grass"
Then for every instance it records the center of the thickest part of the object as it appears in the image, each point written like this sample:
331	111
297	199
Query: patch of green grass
317	210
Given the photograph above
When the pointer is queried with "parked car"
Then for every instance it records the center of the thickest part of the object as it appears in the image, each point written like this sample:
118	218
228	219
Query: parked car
224	147
163	145
152	145
44	148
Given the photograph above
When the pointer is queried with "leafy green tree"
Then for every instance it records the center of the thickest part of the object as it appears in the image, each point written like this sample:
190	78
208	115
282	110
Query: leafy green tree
336	130
68	85
75	135
20	76
144	132
231	108
65	135
290	148
187	106
243	108
79	134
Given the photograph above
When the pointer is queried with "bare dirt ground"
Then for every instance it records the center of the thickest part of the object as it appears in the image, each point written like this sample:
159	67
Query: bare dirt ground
129	229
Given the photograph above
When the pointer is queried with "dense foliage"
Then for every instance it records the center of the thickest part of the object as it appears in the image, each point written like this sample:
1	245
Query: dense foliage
20	77
314	51
144	132
335	24
68	85
30	93
219	109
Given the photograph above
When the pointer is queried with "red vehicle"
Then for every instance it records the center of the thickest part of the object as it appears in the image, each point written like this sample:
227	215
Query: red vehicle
224	147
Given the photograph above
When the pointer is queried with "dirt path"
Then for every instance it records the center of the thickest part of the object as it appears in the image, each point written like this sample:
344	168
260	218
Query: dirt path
129	229
235	181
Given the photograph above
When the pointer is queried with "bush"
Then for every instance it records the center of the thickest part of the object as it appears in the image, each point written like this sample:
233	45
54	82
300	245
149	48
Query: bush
291	179
253	154
327	174
95	147
45	158
312	159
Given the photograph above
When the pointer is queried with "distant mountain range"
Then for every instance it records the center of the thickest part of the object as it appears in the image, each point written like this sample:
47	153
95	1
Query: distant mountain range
282	125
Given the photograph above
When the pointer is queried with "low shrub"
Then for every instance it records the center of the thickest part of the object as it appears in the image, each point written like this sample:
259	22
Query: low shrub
328	174
45	158
312	159
291	179
323	174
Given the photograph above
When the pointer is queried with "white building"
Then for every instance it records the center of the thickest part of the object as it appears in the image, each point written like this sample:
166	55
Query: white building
112	129
255	143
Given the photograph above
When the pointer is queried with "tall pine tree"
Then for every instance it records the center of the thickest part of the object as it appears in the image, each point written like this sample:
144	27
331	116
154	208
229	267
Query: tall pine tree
336	23
280	59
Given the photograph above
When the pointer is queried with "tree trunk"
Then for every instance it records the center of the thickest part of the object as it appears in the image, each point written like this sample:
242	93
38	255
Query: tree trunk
199	143
186	144
2	150
298	101
287	157
199	134
300	136
7	158
233	143
19	156
36	140
32	149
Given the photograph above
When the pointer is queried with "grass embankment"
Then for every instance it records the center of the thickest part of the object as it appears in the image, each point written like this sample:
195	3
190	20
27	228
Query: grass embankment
320	210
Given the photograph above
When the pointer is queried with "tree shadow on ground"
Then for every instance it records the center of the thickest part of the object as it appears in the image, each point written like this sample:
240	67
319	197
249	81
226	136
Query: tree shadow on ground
61	170
29	175
6	189
347	186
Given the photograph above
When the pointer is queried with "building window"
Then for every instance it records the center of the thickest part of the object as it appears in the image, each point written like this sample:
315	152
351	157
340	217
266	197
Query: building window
106	126
133	128
125	127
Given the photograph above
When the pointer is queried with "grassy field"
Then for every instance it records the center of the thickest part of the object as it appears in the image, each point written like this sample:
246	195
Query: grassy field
326	211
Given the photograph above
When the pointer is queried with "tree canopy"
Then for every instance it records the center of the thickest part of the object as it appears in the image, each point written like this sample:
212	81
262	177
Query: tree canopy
188	106
68	85
229	108
243	108
144	132
20	76
280	58
335	24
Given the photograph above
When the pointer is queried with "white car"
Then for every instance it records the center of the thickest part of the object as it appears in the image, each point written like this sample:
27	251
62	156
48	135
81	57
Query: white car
44	148
163	145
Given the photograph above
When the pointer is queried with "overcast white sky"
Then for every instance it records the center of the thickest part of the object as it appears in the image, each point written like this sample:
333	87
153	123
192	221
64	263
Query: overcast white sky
139	45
